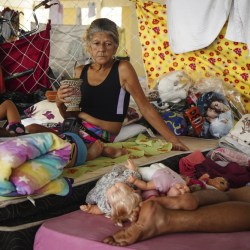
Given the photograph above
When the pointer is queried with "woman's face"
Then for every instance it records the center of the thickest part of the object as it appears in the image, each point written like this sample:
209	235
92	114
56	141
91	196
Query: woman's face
102	48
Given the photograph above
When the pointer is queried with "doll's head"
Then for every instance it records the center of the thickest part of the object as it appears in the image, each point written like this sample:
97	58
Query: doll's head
123	201
219	183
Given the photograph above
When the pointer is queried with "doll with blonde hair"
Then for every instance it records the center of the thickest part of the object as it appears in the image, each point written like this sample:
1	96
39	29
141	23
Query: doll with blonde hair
114	196
124	202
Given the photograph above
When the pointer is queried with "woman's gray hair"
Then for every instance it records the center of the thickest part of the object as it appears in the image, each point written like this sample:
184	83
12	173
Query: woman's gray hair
102	25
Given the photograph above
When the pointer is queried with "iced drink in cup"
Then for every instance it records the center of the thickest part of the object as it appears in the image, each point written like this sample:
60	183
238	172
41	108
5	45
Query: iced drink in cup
74	100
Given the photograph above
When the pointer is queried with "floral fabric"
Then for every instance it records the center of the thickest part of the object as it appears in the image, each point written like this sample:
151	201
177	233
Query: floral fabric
223	58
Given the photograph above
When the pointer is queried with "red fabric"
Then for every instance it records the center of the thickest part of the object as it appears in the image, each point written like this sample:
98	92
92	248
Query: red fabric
29	53
236	175
187	163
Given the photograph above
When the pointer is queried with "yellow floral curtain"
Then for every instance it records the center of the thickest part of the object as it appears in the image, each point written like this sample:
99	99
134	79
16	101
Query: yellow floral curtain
223	58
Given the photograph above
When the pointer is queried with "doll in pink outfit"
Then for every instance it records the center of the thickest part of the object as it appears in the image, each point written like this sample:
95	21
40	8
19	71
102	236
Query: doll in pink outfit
160	178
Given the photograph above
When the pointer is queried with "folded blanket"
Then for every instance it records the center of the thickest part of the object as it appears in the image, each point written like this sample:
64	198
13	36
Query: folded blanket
30	162
239	136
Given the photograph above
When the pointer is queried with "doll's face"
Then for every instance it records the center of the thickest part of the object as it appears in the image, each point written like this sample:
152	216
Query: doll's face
211	113
219	183
218	106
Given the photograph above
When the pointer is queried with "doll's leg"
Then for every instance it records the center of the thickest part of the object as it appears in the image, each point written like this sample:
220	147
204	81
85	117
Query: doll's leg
91	209
178	189
154	219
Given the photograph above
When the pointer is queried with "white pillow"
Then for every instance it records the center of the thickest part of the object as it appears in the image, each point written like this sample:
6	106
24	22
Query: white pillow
130	131
44	112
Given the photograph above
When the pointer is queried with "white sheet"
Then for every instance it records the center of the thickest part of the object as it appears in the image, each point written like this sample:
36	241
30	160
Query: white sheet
194	24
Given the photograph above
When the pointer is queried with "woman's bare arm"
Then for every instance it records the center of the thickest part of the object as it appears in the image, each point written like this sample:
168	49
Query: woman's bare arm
130	82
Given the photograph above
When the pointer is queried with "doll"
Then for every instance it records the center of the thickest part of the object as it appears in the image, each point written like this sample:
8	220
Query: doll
114	196
160	178
217	113
168	182
203	182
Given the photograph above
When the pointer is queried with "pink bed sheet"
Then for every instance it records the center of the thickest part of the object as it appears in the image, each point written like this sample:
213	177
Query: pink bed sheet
79	230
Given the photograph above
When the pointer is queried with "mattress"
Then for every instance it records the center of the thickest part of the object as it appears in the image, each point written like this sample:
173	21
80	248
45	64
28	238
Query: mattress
79	230
20	218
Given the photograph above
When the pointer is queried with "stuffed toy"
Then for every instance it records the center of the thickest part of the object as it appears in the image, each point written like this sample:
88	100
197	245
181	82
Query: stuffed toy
173	87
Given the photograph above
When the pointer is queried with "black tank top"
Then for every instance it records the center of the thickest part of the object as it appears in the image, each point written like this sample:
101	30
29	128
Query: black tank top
106	101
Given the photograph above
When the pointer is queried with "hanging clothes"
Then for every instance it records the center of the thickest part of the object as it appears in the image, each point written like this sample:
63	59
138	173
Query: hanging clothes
195	24
56	13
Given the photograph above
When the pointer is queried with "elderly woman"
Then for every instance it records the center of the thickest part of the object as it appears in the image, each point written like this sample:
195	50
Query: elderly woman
106	89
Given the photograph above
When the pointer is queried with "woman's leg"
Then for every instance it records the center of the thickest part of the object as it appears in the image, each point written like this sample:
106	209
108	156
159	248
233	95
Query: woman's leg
113	152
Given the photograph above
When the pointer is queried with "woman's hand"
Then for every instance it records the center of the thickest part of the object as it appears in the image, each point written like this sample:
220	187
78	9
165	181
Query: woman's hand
179	146
62	93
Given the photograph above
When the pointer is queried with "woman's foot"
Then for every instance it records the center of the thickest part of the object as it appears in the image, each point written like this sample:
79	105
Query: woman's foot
114	152
95	149
91	209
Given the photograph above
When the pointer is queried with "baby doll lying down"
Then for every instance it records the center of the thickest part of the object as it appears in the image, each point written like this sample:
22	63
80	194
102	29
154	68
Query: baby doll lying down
116	194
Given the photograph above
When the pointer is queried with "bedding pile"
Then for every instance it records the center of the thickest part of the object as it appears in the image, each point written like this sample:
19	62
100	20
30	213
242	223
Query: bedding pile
33	164
205	108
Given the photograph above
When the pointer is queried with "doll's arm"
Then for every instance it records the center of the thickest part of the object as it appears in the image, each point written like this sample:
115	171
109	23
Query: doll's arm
141	184
131	165
91	209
